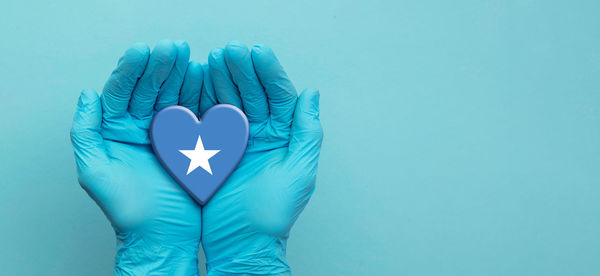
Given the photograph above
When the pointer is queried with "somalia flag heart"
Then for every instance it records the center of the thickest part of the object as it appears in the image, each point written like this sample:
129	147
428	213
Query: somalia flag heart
200	155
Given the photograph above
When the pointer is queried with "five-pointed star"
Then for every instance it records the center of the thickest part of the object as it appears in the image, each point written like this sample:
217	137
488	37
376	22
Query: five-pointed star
199	157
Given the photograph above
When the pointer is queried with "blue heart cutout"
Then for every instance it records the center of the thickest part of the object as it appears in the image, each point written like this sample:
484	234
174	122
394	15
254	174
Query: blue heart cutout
184	145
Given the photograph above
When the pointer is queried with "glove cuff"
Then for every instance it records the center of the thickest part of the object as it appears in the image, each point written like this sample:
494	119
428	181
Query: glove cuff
143	257
274	265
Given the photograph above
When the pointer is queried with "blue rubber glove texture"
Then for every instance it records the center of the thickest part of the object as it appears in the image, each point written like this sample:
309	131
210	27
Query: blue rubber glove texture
247	223
157	224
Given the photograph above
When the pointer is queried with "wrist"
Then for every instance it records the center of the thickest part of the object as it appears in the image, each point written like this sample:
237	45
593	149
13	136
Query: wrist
145	256
255	267
247	257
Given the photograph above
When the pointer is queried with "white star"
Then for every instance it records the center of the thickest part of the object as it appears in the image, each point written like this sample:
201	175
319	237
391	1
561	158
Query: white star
199	157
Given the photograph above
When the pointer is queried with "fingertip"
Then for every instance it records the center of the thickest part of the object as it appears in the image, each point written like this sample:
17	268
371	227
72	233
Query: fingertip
182	43
138	52
140	47
216	61
205	69
87	97
315	96
262	51
194	73
308	102
265	61
121	83
192	87
215	55
165	49
183	48
260	48
311	91
89	93
307	131
216	52
225	90
235	43
195	68
208	97
165	42
235	49
89	112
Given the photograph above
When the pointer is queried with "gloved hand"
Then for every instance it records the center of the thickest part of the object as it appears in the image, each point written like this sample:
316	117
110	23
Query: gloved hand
157	224
247	223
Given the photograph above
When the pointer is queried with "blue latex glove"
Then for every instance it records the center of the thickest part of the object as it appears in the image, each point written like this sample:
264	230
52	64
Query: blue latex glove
247	223
157	224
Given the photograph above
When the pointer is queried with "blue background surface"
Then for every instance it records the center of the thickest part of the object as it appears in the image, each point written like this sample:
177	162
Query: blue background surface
461	137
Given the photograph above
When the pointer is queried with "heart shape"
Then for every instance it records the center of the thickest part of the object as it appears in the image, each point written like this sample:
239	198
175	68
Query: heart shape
200	155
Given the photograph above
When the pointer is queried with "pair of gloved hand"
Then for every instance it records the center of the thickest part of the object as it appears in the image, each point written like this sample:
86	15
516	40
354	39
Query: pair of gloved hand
244	227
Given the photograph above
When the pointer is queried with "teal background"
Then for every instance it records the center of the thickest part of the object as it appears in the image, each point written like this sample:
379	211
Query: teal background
461	137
